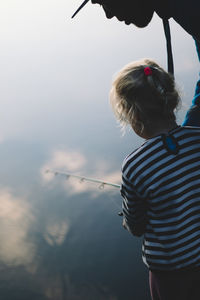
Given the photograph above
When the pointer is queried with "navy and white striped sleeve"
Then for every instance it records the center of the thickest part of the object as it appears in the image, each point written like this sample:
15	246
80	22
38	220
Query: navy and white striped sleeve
134	208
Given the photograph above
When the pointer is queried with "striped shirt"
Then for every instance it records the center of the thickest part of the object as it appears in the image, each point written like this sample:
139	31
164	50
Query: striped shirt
161	199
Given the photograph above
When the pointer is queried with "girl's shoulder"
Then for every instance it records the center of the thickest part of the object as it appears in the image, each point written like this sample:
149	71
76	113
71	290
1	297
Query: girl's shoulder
141	152
188	131
154	146
191	128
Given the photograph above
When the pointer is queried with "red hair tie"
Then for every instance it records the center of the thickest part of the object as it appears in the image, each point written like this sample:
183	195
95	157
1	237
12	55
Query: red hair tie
147	71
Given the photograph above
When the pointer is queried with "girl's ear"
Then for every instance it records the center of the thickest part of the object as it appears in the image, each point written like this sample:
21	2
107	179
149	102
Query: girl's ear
139	128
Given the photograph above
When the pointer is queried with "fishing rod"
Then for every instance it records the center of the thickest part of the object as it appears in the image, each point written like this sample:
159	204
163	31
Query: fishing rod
80	7
102	183
83	178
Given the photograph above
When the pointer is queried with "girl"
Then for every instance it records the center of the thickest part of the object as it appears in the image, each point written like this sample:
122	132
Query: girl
161	179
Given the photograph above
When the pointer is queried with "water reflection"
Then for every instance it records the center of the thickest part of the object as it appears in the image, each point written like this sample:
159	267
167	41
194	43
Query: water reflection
56	232
61	288
72	161
62	243
16	220
62	239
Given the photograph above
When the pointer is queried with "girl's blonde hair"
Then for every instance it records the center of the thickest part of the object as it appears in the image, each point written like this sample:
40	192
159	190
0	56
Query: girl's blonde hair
137	98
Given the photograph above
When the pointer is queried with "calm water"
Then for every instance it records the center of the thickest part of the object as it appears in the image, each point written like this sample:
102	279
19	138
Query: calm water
62	239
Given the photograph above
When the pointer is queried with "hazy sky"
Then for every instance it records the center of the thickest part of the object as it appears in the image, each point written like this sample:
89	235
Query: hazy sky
56	71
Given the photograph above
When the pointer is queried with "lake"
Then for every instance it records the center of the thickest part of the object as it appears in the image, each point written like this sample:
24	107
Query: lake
61	238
